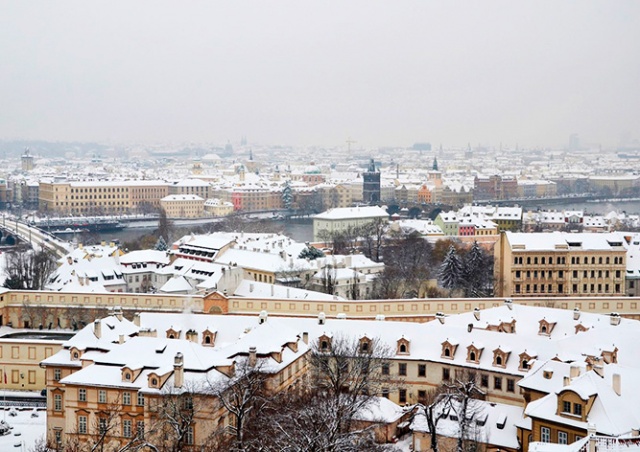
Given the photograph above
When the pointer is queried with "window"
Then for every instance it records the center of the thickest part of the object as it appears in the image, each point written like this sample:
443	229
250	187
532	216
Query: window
566	407
402	369
126	428
445	374
385	369
82	395
56	374
385	393
422	370
562	438
57	402
140	399
511	385
577	409
102	425
102	396
422	395
545	434
82	424
126	398
484	380
188	437
402	395
497	383
140	429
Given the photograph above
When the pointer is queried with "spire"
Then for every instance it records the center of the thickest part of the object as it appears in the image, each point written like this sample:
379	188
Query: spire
435	164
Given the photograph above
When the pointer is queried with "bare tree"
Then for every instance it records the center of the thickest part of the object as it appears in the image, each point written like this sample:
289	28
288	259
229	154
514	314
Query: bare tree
29	270
462	396
243	396
174	413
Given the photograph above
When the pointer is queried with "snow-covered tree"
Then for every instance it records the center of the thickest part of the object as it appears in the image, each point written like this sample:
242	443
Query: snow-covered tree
287	196
451	274
311	253
478	272
161	245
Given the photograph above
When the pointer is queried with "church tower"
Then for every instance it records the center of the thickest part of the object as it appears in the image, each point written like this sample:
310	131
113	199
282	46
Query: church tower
371	185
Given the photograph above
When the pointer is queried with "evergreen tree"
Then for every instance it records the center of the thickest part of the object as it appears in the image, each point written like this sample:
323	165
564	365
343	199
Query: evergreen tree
311	253
287	196
451	275
473	270
161	245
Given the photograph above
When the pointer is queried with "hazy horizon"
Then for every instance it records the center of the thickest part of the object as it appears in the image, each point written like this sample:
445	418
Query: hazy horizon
305	73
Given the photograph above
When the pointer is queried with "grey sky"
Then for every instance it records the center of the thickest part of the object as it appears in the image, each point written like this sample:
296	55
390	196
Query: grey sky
298	72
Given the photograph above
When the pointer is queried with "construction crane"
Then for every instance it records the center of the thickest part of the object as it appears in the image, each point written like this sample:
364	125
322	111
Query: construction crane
349	143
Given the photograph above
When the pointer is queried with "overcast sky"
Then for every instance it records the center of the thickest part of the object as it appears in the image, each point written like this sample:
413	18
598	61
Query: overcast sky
303	73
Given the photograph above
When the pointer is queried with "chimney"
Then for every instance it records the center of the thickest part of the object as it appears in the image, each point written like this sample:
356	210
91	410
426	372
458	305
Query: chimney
305	337
117	311
591	433
251	287
97	328
470	327
576	314
615	381
192	335
574	371
509	303
69	260
263	316
253	356
136	319
121	339
476	313
566	381
440	317
635	432
614	318
322	318
178	370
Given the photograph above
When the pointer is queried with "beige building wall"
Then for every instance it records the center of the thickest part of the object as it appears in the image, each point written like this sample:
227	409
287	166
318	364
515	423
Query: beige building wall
20	362
558	272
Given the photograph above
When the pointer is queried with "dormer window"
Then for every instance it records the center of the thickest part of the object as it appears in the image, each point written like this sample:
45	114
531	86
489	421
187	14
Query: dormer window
208	337
173	334
545	327
365	345
448	349
127	376
500	357
403	346
324	342
524	361
473	354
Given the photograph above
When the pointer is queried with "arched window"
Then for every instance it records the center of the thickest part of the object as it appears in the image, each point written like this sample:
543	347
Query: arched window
403	348
472	356
447	352
207	339
498	360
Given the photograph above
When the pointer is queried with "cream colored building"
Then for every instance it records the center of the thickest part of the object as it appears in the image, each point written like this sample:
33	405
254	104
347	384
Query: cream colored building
560	264
183	206
218	207
341	219
99	197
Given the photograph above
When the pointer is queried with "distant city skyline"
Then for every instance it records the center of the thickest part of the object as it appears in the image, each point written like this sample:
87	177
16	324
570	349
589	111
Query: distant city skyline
304	74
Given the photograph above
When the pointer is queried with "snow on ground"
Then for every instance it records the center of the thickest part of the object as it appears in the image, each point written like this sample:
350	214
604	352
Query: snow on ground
26	429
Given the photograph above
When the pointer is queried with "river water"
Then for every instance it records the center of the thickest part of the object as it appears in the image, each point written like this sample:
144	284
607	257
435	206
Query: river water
302	230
